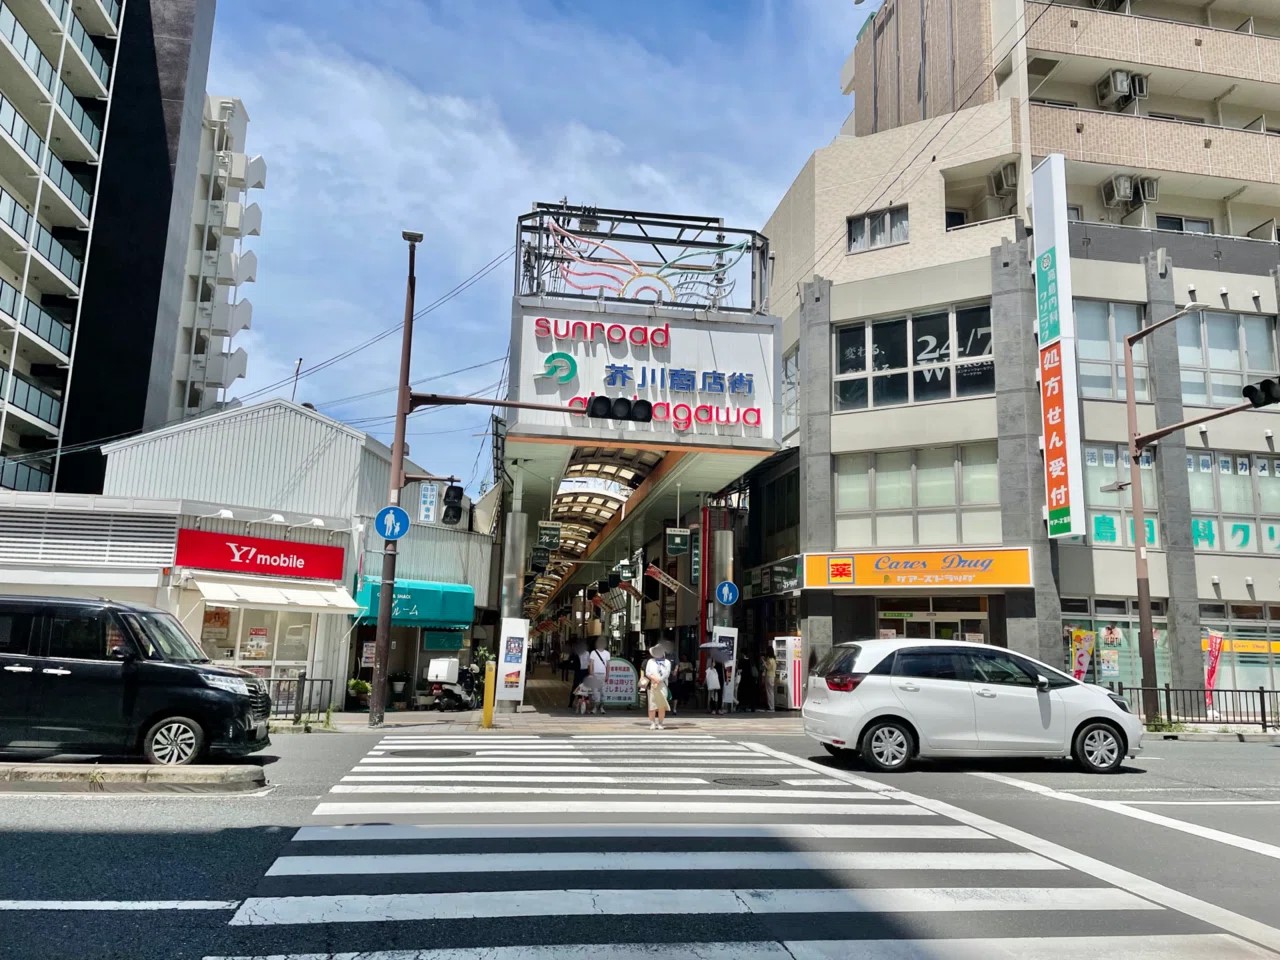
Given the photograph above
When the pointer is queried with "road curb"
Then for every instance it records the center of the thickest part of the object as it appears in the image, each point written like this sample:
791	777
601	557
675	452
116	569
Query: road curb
280	727
1218	737
128	778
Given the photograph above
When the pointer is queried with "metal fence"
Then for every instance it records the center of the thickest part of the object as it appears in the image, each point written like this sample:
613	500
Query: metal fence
299	698
1259	707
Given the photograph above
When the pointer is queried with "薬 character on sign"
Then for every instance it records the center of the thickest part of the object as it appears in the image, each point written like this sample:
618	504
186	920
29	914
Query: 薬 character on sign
712	381
617	375
682	381
840	571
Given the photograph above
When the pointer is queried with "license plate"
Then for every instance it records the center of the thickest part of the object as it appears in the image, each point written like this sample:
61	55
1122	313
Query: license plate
260	730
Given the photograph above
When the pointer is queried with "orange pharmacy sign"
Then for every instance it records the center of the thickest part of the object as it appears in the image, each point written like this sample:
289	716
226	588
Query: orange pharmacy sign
937	569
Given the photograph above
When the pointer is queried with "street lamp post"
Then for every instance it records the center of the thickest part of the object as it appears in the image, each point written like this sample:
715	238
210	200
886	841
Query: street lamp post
386	595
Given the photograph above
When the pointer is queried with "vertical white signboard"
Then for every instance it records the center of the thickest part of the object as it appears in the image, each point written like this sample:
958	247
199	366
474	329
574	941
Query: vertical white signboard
513	660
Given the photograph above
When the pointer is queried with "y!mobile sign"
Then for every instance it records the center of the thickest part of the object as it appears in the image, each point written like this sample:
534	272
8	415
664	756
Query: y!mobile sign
712	381
1056	330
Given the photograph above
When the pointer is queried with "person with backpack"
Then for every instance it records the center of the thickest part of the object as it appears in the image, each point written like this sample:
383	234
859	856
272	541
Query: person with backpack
597	669
657	674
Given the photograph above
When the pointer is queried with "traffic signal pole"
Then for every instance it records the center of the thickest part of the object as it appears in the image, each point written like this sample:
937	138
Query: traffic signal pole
386	595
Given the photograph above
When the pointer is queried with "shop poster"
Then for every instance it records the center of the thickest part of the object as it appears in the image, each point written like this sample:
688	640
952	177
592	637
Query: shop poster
1109	663
1213	656
620	683
513	658
257	646
1082	642
727	637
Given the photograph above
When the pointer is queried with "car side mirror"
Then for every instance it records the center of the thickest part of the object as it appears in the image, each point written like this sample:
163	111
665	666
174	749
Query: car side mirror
123	654
1042	682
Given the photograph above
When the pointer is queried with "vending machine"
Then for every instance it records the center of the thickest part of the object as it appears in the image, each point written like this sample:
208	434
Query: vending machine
789	652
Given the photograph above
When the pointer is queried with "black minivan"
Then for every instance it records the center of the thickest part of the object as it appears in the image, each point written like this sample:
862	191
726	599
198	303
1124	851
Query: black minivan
107	678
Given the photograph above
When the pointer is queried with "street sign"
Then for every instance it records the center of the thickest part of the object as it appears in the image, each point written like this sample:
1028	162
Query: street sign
428	497
549	535
626	571
539	560
392	523
727	593
677	541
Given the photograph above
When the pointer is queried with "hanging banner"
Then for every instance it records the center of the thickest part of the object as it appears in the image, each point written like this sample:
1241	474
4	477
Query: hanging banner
1214	655
549	535
632	591
670	582
1082	642
1055	328
677	541
513	657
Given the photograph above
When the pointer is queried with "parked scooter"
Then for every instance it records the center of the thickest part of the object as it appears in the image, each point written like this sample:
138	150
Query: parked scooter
461	695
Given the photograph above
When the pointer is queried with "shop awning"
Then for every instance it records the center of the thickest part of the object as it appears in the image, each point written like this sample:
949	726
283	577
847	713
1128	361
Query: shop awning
312	598
422	603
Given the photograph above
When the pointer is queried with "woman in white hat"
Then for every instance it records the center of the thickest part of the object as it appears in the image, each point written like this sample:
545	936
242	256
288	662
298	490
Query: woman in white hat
657	672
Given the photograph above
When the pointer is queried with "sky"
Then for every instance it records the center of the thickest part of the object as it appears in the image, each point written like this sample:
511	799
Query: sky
451	118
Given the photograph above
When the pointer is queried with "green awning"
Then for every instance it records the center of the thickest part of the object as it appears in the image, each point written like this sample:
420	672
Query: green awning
421	603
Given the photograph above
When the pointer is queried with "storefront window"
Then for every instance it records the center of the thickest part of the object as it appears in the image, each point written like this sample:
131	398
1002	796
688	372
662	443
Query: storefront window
1116	659
257	635
294	642
216	637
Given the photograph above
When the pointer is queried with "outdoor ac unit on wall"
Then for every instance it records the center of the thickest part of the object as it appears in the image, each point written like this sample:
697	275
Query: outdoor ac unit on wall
1113	87
1007	180
1117	190
1149	189
1139	86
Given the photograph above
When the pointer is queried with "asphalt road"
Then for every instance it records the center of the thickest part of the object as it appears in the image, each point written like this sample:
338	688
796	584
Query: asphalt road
1156	820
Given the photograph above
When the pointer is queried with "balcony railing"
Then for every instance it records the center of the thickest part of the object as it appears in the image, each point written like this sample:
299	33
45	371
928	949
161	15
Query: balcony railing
67	185
14	214
17	475
63	260
12	31
80	37
34	400
35	318
87	126
12	122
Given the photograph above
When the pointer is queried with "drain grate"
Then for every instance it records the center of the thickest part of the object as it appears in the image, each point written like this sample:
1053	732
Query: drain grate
428	753
746	782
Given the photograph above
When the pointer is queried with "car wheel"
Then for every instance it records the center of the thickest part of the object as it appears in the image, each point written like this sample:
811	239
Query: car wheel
174	741
888	746
1099	748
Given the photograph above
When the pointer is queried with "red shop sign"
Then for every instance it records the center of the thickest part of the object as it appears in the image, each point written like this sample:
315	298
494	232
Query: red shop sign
272	558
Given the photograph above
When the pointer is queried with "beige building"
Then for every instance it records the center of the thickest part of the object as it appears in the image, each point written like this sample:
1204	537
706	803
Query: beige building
913	364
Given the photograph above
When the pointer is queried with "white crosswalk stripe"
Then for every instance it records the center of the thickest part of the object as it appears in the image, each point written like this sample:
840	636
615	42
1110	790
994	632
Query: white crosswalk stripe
624	847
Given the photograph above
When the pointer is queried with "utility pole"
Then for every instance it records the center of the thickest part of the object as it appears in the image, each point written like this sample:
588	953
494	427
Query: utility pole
386	595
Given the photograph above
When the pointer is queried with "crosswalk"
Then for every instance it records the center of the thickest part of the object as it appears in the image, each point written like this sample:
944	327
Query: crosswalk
627	846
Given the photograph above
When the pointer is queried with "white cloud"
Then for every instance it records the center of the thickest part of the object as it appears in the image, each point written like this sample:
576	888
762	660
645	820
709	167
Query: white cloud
386	123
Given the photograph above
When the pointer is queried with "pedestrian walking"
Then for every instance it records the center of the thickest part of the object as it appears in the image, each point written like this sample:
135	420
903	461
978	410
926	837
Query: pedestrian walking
770	680
597	669
657	674
715	683
682	686
581	662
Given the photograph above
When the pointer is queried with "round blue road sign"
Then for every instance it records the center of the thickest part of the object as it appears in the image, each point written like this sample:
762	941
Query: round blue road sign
392	523
727	593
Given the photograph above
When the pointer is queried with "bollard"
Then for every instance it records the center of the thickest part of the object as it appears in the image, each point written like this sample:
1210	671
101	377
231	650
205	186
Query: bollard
490	682
297	699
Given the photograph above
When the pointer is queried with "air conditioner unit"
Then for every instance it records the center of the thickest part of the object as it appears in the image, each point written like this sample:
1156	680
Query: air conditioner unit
1139	86
1117	190
1113	87
988	208
1007	180
1149	189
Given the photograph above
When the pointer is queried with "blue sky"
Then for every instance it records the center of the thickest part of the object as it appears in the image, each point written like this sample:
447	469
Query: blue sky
452	118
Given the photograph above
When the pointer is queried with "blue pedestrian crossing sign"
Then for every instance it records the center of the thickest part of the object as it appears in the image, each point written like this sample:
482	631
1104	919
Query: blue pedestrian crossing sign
727	593
392	523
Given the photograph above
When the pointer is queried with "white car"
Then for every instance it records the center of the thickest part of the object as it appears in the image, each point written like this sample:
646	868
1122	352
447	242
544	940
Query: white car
893	700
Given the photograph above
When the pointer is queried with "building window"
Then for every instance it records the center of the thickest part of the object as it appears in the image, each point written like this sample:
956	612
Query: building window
1220	352
880	228
1175	117
1235	501
782	503
1183	224
956	219
1100	331
790	391
919	358
1075	211
934	496
1111	513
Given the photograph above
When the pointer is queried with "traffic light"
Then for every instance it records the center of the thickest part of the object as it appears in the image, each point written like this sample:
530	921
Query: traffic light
452	505
620	408
1263	393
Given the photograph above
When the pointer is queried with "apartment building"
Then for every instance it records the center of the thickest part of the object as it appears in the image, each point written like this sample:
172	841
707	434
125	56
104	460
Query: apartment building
213	312
915	501
56	77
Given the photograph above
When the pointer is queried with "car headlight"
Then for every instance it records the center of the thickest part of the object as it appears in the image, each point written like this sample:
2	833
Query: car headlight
1120	702
230	684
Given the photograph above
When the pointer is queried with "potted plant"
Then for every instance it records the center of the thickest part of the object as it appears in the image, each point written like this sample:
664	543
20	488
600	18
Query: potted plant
360	690
398	681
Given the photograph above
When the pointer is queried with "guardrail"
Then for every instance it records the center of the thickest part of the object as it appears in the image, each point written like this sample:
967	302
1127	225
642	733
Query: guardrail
299	698
1192	705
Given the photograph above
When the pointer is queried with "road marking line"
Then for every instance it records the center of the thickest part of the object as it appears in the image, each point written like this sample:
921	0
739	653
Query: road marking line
557	862
568	903
1210	913
447	767
396	775
1204	803
1213	946
590	830
708	791
1114	806
1157	789
614	806
627	760
107	905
